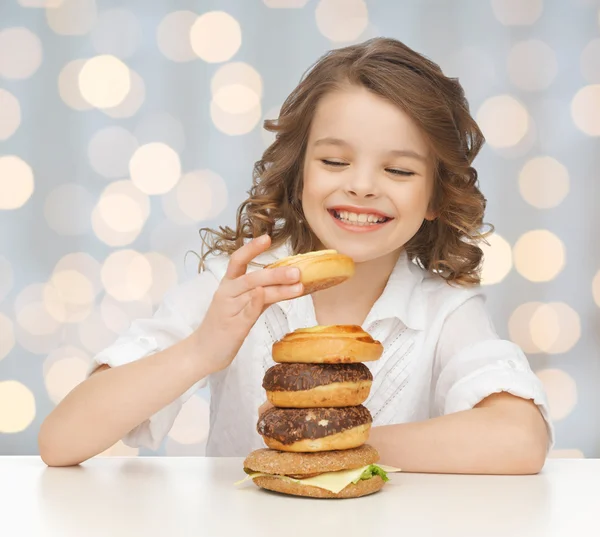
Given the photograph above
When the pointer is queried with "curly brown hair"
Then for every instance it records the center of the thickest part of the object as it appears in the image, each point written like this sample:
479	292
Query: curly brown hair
446	245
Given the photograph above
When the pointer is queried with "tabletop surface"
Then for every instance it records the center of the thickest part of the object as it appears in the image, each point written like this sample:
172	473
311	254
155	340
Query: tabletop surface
181	496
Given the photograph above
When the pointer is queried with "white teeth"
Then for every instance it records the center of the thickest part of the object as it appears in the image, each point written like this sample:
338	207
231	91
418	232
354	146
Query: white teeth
362	219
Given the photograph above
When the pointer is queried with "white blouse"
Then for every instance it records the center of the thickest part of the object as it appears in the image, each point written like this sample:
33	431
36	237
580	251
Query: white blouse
441	355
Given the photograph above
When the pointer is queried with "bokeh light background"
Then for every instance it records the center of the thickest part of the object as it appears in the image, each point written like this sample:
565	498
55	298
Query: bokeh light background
126	126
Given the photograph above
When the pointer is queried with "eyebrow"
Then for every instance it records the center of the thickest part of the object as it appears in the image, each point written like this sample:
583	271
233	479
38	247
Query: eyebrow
395	152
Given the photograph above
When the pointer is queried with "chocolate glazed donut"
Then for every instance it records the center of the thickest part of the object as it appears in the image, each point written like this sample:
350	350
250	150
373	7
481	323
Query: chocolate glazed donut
315	429
317	385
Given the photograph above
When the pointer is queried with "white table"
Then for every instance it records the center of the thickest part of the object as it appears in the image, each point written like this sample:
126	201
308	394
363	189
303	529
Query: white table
171	497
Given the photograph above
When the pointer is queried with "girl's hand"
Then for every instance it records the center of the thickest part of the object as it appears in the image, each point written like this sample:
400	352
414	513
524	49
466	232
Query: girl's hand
239	301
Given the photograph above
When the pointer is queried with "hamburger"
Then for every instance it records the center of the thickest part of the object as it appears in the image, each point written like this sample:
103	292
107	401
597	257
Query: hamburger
349	473
319	270
317	385
327	344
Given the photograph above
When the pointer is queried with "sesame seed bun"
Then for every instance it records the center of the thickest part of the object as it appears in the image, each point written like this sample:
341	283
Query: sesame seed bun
268	461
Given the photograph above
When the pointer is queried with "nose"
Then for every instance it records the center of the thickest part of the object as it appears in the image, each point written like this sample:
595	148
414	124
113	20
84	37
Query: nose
361	184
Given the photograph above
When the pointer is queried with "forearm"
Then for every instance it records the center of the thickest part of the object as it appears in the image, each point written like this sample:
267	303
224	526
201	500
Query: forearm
105	407
485	440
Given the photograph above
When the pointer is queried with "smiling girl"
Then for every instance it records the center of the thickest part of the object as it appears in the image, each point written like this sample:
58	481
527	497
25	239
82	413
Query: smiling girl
373	158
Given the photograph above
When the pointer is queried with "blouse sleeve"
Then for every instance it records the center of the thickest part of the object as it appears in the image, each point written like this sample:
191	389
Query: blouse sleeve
179	314
472	362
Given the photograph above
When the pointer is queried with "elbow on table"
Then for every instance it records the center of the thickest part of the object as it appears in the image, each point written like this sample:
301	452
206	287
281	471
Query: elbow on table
51	452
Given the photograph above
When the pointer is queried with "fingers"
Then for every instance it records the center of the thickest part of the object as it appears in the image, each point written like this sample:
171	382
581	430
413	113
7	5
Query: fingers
270	295
264	278
239	260
277	293
254	307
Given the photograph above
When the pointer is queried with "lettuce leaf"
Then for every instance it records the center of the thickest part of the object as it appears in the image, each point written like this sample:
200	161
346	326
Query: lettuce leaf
371	471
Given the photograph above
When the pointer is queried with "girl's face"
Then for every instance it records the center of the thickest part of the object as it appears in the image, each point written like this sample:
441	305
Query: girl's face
368	175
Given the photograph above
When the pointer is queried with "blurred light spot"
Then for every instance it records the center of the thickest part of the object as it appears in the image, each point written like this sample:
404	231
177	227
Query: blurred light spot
173	36
16	182
36	330
155	168
590	62
342	20
132	102
473	67
110	150
503	120
236	99
126	275
517	12
566	454
72	17
130	216
192	423
585	109
200	195
267	136
161	127
555	328
117	32
7	336
40	3
17	407
164	276
285	3
104	81
111	225
497	261
119	450
235	124
544	182
118	316
175	449
68	86
10	114
64	369
94	335
84	264
69	296
20	53
595	288
519	327
6	278
539	255
215	36
532	65
561	390
237	78
67	209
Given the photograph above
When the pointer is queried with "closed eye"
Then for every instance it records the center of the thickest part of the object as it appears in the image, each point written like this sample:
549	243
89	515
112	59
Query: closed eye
403	173
333	163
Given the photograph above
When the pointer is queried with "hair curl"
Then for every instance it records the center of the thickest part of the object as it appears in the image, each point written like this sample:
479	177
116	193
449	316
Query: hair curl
446	245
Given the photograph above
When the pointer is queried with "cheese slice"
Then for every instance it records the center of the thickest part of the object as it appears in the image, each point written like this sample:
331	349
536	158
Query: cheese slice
331	481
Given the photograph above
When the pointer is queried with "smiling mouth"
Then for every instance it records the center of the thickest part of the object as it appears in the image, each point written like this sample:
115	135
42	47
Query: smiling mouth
356	219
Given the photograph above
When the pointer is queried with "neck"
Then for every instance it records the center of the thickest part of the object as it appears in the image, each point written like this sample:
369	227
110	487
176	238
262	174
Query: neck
351	301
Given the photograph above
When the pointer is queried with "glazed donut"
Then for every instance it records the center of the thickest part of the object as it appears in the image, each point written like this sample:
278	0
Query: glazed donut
319	270
332	344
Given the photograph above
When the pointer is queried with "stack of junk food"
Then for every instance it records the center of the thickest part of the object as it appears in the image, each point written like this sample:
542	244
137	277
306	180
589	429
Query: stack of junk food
318	428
